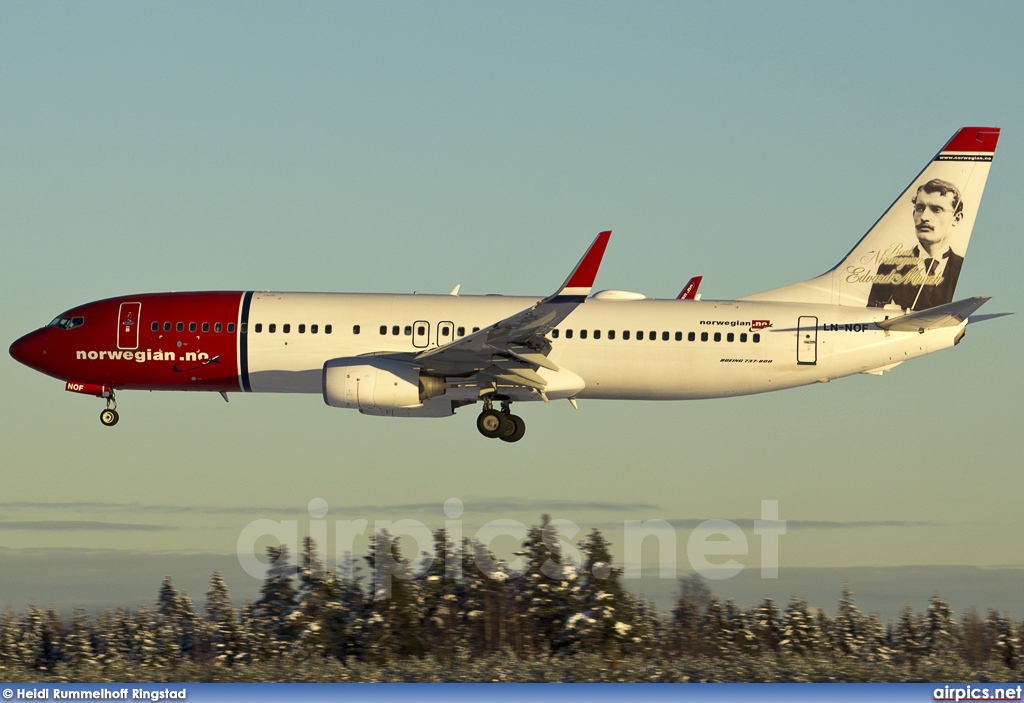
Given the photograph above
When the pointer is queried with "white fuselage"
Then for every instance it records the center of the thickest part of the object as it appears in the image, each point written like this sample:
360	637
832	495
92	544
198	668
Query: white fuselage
761	346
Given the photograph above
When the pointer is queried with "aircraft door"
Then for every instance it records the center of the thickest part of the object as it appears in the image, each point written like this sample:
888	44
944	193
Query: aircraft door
128	326
807	340
445	333
420	334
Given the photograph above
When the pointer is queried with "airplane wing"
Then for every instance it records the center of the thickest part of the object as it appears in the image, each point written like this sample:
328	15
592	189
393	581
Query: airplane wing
948	315
512	350
689	291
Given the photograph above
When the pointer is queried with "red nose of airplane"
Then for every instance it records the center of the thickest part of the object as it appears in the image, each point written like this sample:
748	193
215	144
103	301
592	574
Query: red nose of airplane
27	351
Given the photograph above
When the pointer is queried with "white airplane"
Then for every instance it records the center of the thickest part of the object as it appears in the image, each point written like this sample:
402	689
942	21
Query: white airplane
890	299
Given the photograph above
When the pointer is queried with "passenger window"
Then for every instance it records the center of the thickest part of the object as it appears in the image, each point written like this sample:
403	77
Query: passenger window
730	337
395	330
691	337
445	330
568	334
664	336
408	330
583	334
286	328
420	330
639	335
218	327
327	329
652	335
611	334
191	327
180	327
313	329
597	334
625	334
679	336
272	327
383	329
258	328
302	329
703	336
206	327
155	326
231	327
461	331
718	336
757	338
743	336
355	329
167	327
476	329
554	333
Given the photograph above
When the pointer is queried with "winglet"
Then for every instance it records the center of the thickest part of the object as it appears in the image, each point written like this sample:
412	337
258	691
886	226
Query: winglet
581	280
689	291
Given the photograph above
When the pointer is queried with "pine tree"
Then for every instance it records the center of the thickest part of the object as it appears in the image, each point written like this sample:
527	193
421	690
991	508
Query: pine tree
275	613
907	636
766	626
799	634
1005	642
690	605
548	591
396	623
608	623
221	623
78	645
847	634
941	635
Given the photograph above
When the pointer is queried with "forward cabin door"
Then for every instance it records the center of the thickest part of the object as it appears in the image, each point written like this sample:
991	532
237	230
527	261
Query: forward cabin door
807	340
128	326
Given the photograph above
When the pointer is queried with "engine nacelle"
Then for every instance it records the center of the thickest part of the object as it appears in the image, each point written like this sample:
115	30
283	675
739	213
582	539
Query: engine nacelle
375	384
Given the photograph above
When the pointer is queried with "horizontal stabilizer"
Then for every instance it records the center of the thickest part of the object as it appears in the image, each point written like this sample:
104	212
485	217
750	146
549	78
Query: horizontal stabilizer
990	316
948	315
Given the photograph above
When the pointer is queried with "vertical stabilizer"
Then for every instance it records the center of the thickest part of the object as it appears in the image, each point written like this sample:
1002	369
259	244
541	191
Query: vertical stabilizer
912	256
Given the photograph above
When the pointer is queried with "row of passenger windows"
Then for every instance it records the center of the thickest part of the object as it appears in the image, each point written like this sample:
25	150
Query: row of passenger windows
421	329
665	336
286	328
193	326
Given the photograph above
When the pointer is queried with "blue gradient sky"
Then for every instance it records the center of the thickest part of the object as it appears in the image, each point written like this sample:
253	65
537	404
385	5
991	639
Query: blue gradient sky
410	146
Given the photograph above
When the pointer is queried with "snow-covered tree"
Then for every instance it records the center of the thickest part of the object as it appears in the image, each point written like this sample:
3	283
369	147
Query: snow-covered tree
548	589
395	626
221	623
799	630
275	612
941	634
848	627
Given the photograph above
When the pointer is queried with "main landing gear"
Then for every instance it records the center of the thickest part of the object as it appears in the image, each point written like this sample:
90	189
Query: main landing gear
502	424
109	416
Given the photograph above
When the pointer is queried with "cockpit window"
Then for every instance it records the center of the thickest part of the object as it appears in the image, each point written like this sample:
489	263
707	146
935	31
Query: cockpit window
66	323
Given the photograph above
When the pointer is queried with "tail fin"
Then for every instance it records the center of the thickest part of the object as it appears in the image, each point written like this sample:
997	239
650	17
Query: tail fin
912	256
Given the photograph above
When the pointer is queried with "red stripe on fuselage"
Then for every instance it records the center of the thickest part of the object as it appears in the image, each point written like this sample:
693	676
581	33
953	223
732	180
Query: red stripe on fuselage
163	359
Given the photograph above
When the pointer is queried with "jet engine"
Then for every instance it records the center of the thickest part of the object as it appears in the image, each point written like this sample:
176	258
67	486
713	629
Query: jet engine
378	386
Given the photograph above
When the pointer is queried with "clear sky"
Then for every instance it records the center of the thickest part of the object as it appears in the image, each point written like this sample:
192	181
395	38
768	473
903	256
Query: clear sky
393	147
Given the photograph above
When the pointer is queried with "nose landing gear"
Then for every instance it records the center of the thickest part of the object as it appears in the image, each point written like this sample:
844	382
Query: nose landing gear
501	425
109	417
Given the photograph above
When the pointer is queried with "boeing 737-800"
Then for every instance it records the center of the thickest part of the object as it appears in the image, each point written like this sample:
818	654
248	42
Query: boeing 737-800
889	300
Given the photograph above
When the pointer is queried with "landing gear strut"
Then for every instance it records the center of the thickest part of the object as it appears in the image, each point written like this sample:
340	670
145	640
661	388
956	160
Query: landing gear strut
109	416
502	425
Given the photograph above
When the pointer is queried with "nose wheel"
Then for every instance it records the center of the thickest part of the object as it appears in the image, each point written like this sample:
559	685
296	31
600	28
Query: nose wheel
502	424
109	417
